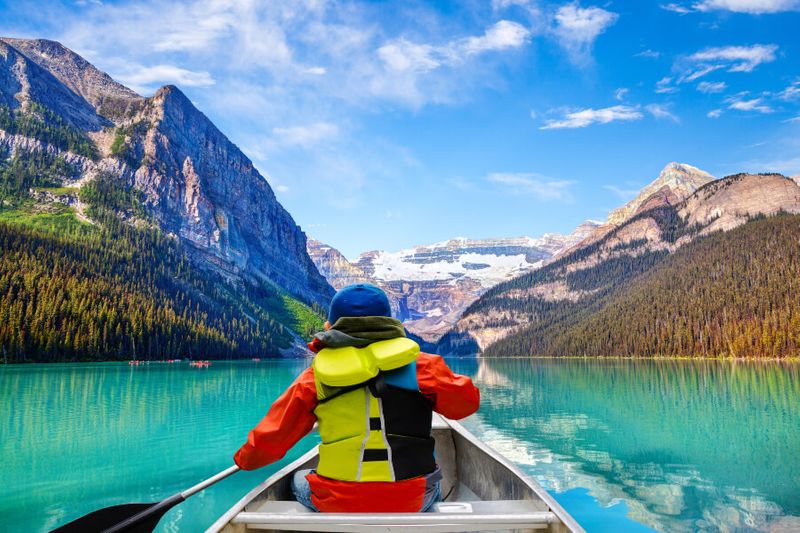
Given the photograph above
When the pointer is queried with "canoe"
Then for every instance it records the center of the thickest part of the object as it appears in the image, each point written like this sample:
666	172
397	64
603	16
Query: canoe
483	492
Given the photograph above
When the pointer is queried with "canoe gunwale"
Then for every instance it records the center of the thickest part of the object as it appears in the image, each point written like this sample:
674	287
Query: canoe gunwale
287	470
563	522
544	496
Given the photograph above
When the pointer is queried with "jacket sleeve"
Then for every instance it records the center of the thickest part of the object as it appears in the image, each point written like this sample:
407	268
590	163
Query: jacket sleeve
288	420
452	395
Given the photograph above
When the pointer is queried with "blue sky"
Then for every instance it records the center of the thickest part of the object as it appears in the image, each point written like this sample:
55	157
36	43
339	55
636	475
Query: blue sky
382	125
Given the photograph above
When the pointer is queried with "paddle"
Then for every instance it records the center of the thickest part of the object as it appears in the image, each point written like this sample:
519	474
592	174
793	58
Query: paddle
136	517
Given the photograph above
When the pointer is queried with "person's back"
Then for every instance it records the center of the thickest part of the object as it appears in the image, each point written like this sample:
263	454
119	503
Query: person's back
373	393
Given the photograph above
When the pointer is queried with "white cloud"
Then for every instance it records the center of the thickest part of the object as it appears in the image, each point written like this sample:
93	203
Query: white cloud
577	28
649	54
748	6
620	93
664	86
661	111
540	187
792	92
676	8
498	5
733	58
316	71
143	79
753	7
281	188
298	51
711	87
714	113
699	72
305	136
793	120
587	117
402	55
503	35
754	104
622	194
417	73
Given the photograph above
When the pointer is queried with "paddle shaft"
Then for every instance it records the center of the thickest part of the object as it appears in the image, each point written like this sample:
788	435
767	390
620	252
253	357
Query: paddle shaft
163	506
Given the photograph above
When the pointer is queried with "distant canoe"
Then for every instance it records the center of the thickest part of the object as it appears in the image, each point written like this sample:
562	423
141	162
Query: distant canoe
485	492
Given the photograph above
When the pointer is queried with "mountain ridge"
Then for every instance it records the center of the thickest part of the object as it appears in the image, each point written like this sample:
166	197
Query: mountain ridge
82	154
430	285
198	185
674	183
593	270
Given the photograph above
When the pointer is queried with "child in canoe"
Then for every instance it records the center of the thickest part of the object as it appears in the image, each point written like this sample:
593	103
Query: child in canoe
373	393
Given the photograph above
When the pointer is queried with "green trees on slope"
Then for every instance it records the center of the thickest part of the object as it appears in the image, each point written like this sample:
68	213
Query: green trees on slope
728	294
116	291
27	169
42	124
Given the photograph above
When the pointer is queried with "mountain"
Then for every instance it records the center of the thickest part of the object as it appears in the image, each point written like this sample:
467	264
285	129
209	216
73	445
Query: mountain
67	131
334	266
587	279
730	294
429	286
108	98
675	183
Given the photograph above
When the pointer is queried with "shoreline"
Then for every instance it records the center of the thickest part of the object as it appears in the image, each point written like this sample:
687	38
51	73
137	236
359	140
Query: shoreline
772	360
794	359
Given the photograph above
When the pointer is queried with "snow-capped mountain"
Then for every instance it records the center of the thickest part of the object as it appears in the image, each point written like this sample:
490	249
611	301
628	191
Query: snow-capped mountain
431	285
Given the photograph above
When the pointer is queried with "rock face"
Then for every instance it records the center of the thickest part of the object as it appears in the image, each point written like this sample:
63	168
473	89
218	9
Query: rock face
97	88
598	263
334	266
728	203
675	183
430	286
197	184
23	82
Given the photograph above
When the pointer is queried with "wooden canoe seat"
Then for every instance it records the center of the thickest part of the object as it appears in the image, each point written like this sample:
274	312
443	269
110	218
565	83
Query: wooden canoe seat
461	516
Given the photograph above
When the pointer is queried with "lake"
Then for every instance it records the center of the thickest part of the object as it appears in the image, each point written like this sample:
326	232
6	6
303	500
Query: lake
622	445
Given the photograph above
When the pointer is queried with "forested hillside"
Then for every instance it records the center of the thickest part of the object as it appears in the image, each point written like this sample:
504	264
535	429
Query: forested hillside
131	227
727	294
70	290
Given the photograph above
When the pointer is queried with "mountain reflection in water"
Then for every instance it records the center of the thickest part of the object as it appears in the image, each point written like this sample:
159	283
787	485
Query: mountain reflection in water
686	445
674	445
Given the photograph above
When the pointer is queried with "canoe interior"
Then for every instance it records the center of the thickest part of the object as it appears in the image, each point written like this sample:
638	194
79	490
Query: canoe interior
471	472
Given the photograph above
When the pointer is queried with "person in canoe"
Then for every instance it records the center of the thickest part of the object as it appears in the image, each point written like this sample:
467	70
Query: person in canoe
372	392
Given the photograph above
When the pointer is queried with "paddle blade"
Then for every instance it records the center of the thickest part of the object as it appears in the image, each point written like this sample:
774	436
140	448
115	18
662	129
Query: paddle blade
110	516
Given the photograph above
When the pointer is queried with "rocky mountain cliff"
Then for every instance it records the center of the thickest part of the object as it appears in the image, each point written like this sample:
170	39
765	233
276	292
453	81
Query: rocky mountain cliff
195	183
592	270
332	264
430	286
728	294
675	183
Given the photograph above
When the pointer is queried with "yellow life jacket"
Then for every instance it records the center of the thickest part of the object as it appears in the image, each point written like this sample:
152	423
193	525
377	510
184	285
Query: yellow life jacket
374	423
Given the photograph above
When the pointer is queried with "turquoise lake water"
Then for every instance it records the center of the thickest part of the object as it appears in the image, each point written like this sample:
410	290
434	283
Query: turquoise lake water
622	445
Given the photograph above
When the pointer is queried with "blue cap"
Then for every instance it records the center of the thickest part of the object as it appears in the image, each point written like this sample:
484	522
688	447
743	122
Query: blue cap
360	299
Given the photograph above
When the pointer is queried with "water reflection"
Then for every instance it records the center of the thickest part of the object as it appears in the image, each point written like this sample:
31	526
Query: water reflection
79	437
682	446
689	446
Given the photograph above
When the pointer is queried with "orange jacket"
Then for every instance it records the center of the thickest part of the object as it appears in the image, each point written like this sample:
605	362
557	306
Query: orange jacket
291	417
